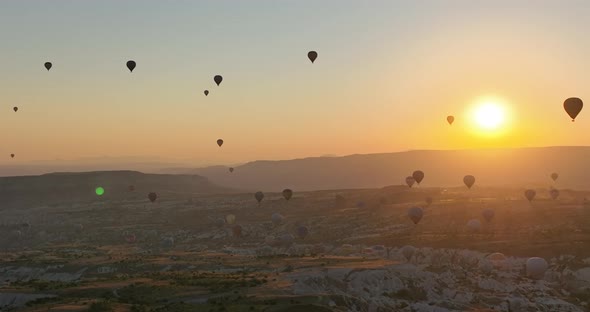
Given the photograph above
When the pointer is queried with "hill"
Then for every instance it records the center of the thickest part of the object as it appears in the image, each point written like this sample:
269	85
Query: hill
522	167
75	187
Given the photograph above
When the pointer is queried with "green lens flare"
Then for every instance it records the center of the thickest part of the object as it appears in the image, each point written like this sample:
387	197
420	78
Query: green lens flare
99	191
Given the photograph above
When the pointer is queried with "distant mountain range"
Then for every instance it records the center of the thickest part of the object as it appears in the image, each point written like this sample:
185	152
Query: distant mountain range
520	167
76	187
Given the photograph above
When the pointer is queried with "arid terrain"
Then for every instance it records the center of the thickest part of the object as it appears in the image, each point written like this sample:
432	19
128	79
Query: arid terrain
182	253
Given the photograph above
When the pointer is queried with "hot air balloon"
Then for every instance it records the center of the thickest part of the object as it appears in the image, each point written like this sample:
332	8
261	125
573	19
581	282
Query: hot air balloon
469	180
408	251
302	231
277	218
536	267
48	65
131	65
230	219
428	200
530	194
237	230
219	142
152	196
15	109
287	194
554	176
450	119
554	193
488	215
206	92
497	259
410	181
11	155
418	176
573	106
218	79
415	214
312	55
474	225
259	196
231	169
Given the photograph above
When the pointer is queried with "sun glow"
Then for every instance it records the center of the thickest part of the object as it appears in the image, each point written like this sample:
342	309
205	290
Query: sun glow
489	115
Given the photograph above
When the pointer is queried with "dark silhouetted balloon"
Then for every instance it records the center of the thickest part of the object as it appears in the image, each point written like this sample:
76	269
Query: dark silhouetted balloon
152	196
220	142
450	119
554	176
218	79
573	106
131	65
312	55
11	155
287	193
259	196
410	181
488	215
302	231
428	200
418	176
415	214
15	109
530	194
469	180
206	92
554	193
231	169
48	65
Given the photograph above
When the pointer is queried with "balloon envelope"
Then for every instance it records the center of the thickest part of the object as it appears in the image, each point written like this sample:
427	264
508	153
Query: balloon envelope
302	231
220	142
554	193
573	106
536	267
131	65
231	169
450	119
530	194
312	55
218	79
48	65
418	176
287	194
415	214
474	225
15	109
230	219
488	215
408	251
11	155
554	176
152	196
206	92
277	218
259	196
410	181
469	180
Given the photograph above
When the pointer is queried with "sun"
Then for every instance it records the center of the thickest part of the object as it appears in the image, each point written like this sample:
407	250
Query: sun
489	115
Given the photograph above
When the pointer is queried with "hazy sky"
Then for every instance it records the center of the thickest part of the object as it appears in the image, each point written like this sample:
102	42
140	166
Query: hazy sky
387	75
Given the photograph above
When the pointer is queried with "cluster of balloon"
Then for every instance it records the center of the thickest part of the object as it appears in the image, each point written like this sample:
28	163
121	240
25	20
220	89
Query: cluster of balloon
237	230
410	181
474	225
48	65
573	106
418	176
131	65
230	219
536	267
287	194
469	180
554	176
152	196
277	218
488	215
554	193
218	79
312	55
259	196
231	169
302	231
450	119
219	142
15	109
415	214
530	194
206	92
428	200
